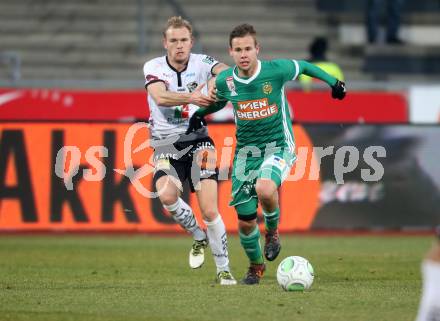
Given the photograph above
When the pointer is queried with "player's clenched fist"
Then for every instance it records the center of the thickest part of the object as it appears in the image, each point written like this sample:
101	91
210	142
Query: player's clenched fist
338	90
195	123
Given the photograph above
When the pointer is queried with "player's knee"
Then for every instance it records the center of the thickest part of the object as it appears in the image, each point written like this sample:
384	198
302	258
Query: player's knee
168	199
265	190
246	227
209	214
167	191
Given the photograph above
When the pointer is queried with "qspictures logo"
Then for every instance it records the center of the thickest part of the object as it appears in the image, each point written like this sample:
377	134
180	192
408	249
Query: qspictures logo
255	109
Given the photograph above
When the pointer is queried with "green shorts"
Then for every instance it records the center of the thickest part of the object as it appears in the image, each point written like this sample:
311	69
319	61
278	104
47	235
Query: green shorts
245	173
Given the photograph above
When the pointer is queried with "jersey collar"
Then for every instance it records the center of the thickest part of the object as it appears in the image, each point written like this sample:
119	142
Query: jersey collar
247	80
175	70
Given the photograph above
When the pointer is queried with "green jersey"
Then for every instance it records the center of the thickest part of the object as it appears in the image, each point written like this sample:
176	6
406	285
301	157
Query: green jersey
261	110
263	122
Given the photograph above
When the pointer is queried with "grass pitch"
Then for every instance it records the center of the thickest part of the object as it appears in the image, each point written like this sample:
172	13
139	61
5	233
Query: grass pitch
61	277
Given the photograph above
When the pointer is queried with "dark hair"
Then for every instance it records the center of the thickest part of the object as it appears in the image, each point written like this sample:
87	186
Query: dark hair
177	22
242	31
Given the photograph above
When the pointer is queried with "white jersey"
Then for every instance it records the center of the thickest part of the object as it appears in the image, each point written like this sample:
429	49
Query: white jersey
170	121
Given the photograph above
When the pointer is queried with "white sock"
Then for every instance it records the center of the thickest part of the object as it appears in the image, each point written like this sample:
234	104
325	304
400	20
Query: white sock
429	309
183	214
218	243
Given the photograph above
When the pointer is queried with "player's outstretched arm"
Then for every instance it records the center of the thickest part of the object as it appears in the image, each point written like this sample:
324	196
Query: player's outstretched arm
212	89
165	98
197	120
338	87
218	68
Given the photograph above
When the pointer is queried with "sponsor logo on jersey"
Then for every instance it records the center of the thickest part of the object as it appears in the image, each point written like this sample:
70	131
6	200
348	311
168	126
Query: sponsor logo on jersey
191	74
247	188
255	109
267	88
275	161
209	60
177	121
163	163
204	145
181	112
191	86
279	162
231	85
206	173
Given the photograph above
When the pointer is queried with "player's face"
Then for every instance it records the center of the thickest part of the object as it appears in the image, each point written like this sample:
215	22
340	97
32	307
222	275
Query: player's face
178	43
244	51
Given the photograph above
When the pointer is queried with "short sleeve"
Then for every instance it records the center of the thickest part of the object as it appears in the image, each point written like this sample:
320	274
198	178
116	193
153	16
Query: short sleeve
221	88
288	68
152	73
207	63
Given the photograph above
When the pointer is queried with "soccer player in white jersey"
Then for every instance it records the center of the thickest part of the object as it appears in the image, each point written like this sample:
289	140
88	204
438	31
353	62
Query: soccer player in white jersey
176	86
429	309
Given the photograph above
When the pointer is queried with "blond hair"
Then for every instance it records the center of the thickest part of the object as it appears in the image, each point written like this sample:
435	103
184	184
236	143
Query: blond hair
177	22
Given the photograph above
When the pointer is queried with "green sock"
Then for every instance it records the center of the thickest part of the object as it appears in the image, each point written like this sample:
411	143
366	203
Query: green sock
251	245
271	219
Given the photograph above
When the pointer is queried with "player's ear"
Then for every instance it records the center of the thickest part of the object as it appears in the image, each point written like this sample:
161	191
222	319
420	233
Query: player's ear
257	48
164	42
230	51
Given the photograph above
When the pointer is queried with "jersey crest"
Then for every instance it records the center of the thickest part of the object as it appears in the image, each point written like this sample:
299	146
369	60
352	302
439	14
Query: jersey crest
209	60
267	88
231	85
191	86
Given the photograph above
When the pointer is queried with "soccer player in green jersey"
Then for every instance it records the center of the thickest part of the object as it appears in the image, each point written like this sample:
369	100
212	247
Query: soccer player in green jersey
265	150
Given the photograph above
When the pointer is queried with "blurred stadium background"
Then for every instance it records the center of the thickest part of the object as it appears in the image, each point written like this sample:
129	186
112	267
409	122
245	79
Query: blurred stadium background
109	40
71	75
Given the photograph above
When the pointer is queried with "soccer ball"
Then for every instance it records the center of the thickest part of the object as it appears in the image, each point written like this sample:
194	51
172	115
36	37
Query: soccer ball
295	273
